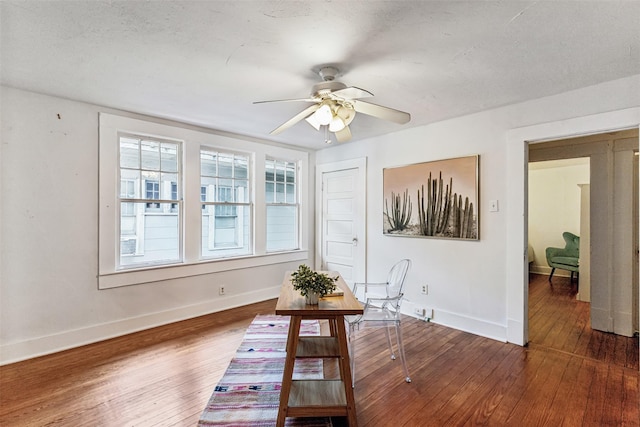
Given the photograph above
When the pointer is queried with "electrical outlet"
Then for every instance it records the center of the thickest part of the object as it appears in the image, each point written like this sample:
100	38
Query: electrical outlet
222	290
419	311
425	289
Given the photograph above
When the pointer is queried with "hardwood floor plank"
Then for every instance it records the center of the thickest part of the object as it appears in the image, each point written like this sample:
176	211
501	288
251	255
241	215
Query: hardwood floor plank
630	398
513	389
568	375
531	409
597	397
560	407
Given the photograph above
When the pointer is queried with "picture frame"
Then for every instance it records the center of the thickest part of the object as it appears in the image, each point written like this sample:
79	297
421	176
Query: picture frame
434	199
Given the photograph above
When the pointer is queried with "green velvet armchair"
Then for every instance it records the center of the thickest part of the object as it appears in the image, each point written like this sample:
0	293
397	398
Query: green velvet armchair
567	258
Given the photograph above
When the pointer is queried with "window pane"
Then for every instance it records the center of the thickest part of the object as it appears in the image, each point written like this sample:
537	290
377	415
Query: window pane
225	193
280	167
169	157
148	238
282	228
152	190
129	153
127	210
227	232
282	221
207	188
169	185
241	168
269	192
291	193
225	165
291	172
129	184
208	163
241	191
226	226
150	177
270	170
149	231
150	151
280	193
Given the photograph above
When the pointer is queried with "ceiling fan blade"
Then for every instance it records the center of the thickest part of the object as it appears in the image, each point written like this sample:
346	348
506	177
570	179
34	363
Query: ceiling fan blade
295	119
287	100
343	135
351	93
381	112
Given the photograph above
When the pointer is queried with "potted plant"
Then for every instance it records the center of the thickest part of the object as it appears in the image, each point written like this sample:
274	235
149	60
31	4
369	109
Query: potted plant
311	284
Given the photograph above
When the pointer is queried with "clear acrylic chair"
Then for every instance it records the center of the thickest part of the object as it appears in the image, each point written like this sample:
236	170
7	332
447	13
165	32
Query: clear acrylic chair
381	309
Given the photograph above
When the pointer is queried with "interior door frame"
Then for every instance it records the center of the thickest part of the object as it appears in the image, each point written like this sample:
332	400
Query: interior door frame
517	195
361	165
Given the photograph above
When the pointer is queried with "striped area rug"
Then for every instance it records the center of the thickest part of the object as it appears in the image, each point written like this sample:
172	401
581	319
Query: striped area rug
249	392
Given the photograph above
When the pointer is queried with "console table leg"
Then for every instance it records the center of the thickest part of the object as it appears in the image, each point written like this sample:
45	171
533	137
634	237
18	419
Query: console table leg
292	345
345	368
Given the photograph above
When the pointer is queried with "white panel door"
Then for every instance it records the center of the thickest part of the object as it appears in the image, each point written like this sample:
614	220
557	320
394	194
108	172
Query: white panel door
342	223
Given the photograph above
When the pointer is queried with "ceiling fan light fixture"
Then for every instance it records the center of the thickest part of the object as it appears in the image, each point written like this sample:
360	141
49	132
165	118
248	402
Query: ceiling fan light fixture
334	106
313	121
324	115
346	114
336	124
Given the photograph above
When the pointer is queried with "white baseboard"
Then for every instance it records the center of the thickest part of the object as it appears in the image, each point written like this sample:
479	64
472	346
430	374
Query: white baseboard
463	323
22	350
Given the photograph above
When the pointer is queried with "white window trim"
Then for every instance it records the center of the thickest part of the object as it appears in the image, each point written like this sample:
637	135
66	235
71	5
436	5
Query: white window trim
297	204
193	140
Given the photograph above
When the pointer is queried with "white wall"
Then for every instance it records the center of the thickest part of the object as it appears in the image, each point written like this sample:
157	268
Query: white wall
48	288
480	286
554	206
49	227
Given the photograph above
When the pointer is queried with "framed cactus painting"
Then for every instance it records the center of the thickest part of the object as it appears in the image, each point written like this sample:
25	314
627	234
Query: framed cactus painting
437	199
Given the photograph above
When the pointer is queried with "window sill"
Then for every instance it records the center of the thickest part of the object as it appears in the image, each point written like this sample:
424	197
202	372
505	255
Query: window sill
156	274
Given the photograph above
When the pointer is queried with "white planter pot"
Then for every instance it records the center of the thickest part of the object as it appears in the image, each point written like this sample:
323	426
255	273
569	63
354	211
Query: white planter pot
311	298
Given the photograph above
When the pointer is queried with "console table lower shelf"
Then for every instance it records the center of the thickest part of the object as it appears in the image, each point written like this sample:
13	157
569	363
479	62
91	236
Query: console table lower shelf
319	397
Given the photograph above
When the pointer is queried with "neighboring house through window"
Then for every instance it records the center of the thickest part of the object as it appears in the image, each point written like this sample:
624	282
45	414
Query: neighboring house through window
149	230
281	196
226	225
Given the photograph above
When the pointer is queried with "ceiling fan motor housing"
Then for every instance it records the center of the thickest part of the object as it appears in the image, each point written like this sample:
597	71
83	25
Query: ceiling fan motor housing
325	88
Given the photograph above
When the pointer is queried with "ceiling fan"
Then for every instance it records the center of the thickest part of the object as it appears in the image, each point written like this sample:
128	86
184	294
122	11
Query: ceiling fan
335	105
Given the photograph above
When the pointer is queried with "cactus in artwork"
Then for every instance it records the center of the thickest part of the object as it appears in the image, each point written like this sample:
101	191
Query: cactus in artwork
433	218
462	223
400	211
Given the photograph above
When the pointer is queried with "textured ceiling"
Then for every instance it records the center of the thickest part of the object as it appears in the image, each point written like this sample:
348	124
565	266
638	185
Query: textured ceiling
205	62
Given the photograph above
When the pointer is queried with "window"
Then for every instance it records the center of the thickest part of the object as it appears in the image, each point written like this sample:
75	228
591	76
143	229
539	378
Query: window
282	205
177	202
149	227
152	193
226	217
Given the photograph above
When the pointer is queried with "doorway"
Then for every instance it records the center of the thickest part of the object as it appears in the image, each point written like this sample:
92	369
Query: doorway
341	225
612	207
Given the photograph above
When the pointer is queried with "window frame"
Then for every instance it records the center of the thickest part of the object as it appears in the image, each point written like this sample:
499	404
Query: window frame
285	203
193	139
219	205
151	196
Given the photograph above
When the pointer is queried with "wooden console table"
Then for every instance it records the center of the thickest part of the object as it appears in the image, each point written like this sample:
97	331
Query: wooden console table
315	398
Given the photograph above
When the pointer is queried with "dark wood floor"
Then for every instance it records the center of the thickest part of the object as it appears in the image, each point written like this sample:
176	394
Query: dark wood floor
568	375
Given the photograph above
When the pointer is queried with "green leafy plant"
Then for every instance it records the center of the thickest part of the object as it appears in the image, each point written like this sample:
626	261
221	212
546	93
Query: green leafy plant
308	281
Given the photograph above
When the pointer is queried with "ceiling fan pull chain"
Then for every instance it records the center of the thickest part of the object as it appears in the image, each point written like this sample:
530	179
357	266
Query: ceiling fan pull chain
327	137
